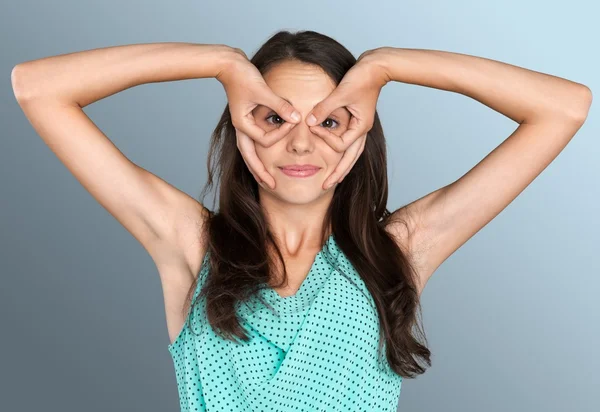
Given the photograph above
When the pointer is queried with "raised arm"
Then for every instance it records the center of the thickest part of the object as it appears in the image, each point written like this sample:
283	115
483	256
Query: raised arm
52	92
549	110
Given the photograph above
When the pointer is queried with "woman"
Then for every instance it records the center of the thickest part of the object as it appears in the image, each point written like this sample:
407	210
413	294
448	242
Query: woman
302	292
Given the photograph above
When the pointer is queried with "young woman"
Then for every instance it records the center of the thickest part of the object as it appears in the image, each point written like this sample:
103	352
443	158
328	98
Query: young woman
302	292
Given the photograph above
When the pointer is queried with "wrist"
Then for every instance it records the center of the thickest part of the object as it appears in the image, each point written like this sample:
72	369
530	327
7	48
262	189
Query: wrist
378	60
230	57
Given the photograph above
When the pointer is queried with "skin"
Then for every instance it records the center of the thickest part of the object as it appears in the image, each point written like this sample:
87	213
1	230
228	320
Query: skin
168	223
296	206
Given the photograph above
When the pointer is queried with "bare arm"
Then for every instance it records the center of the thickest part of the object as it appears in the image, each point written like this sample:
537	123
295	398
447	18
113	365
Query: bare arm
523	95
52	92
550	110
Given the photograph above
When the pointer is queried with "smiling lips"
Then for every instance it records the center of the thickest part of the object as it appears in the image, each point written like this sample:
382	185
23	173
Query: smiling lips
299	170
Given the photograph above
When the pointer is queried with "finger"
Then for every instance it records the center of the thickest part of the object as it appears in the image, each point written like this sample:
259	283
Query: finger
324	108
258	179
242	147
338	143
356	130
346	162
250	170
274	136
281	106
257	168
341	143
331	139
250	129
361	149
341	166
265	139
354	157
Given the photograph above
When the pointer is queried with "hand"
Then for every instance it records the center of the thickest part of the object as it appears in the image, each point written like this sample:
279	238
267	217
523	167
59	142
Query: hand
246	89
358	91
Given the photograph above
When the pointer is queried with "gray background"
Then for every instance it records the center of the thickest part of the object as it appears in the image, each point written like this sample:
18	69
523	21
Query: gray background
512	317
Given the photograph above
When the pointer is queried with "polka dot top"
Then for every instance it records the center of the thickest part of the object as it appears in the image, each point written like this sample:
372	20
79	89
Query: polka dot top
312	351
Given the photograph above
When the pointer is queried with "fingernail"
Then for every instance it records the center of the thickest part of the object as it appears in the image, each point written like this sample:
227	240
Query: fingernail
296	116
312	120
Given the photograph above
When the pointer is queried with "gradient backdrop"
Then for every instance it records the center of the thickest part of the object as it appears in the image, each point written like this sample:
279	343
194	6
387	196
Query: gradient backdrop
512	317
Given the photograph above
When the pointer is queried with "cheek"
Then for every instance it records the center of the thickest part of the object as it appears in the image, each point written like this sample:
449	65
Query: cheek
264	154
330	156
333	159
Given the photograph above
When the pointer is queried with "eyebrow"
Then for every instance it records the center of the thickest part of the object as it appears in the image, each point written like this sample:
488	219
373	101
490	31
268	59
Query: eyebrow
344	107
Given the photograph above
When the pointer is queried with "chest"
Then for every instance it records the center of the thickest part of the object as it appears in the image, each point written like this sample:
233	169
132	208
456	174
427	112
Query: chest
297	268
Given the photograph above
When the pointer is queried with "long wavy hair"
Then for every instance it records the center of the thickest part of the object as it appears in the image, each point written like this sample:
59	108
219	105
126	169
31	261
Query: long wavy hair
238	236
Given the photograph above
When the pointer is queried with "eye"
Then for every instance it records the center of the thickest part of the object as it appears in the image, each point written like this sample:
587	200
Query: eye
277	116
329	118
281	121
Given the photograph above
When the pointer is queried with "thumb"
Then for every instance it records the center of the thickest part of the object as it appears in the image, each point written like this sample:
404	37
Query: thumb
323	109
282	107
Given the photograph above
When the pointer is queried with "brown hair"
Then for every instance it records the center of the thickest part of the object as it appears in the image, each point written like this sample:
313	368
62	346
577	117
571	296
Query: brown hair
238	237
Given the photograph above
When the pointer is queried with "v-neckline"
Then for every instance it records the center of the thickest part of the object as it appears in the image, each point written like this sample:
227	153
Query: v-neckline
302	287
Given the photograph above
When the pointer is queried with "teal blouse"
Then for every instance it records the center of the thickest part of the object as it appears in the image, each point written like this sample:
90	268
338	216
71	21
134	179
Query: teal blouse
315	351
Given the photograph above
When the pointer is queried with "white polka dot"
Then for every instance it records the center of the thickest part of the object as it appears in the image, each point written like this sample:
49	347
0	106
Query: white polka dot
312	351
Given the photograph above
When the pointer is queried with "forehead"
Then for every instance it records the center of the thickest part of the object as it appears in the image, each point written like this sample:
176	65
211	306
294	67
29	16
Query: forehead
294	70
303	85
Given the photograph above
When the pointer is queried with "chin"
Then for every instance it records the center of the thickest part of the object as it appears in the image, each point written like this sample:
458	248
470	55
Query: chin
297	197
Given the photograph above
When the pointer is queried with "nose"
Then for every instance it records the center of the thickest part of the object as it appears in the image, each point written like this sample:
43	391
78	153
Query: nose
301	139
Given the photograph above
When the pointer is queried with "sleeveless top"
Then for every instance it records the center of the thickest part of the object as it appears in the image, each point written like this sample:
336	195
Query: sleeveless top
312	351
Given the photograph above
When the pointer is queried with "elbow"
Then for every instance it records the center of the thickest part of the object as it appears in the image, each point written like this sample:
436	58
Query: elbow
580	105
19	79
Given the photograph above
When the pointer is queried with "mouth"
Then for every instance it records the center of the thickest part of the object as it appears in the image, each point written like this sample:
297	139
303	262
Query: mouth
300	171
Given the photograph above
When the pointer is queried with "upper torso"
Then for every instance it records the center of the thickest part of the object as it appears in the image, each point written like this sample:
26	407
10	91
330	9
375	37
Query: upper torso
317	350
177	279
